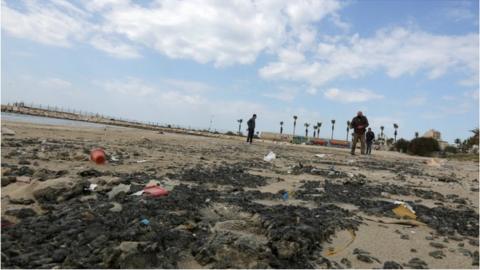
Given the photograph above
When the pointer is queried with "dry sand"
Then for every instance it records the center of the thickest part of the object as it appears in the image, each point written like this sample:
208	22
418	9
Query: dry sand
171	152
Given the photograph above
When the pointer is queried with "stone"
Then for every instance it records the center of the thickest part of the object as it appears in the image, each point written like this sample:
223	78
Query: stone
417	263
392	265
405	237
437	254
8	132
7	180
21	201
116	207
437	245
21	213
346	262
117	190
59	255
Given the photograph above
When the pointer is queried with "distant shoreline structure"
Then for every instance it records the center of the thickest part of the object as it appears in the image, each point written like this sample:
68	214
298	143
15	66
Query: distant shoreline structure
55	112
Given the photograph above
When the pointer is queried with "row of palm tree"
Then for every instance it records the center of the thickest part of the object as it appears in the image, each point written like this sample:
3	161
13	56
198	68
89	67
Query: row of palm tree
316	128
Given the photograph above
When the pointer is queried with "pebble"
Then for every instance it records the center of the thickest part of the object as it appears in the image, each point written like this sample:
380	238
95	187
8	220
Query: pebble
437	245
437	254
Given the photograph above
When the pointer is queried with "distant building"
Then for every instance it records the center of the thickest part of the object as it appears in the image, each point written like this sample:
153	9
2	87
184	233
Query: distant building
434	134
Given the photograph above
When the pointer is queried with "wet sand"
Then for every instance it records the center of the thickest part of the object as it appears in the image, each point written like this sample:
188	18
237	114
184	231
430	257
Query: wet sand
167	155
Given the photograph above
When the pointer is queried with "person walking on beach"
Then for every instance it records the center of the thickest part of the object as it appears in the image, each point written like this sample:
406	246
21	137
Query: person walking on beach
370	138
359	124
251	128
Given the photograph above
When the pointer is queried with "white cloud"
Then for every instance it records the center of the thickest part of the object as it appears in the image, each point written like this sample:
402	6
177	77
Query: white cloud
129	87
417	100
460	11
283	94
312	91
194	30
55	23
114	47
187	86
346	96
55	83
396	51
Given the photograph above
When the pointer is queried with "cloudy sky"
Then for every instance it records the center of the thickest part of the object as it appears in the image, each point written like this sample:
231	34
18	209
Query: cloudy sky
415	63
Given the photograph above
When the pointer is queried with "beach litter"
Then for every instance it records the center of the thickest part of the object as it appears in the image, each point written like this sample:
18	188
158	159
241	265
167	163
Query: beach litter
98	156
404	210
321	155
155	191
271	156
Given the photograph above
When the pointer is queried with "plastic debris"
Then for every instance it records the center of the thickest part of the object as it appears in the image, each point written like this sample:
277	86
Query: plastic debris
321	155
434	162
114	158
404	210
92	187
98	156
155	191
142	161
145	221
285	196
271	156
138	193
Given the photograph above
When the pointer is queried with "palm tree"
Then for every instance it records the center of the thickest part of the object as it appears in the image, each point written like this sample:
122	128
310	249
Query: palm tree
333	127
416	134
381	134
458	142
319	125
294	124
315	131
306	129
395	126
348	128
239	125
281	127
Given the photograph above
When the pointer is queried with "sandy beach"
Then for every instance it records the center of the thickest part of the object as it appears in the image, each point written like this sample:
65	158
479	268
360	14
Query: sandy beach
227	207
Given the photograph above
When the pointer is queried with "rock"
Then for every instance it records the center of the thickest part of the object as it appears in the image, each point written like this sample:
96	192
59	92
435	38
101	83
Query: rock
364	258
8	132
413	250
346	262
405	237
90	173
417	263
455	238
437	254
429	238
59	255
21	201
117	190
475	258
21	213
437	245
473	242
7	180
24	162
116	207
391	265
60	192
461	244
286	249
465	252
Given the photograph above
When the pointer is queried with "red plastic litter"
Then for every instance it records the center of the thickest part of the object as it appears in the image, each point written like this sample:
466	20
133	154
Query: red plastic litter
155	191
98	156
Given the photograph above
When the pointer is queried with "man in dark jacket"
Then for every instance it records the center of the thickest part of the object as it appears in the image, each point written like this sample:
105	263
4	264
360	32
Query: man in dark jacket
251	128
370	138
359	124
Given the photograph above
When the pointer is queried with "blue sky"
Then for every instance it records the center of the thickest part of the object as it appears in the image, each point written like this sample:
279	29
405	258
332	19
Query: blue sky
414	63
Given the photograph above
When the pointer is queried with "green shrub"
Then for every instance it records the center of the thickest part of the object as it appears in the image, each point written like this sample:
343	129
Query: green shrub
402	145
230	133
423	146
451	149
